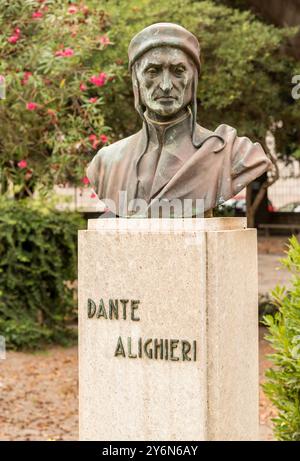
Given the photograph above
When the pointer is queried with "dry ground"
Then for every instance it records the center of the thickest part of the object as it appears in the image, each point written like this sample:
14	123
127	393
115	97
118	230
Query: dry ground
38	395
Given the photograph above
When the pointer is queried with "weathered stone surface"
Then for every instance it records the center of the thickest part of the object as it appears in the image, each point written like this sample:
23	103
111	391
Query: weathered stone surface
187	286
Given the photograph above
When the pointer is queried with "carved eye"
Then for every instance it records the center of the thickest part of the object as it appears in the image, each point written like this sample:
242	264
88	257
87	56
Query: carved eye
179	71
152	71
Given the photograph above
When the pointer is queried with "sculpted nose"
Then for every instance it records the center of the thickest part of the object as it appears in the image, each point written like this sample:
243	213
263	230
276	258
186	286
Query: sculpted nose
166	84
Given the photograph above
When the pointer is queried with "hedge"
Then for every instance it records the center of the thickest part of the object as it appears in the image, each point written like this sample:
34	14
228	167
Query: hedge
283	379
38	254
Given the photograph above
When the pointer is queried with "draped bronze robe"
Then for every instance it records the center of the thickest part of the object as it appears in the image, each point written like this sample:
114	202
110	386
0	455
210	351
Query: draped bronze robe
163	163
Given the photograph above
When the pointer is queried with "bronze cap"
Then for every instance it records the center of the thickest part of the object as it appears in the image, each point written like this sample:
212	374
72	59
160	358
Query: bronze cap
164	34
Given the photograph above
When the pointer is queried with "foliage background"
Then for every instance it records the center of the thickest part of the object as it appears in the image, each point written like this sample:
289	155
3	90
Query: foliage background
246	80
283	383
37	272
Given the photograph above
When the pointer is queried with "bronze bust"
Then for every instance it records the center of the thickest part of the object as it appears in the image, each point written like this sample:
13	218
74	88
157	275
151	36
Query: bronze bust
172	157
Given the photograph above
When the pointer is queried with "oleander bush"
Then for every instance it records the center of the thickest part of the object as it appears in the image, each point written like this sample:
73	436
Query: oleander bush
283	379
68	90
38	254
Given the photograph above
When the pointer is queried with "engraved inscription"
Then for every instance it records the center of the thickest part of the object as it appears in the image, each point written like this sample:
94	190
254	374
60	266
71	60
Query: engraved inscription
153	348
174	350
115	309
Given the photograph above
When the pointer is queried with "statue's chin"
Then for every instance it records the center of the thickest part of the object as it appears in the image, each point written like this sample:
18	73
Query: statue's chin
164	110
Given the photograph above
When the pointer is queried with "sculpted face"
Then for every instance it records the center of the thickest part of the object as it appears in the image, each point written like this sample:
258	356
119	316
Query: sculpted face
165	76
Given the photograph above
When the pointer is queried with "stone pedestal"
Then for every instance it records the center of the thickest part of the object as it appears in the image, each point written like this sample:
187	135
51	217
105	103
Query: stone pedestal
168	330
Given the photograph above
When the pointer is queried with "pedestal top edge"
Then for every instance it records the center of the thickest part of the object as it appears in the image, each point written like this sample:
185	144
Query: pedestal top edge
166	224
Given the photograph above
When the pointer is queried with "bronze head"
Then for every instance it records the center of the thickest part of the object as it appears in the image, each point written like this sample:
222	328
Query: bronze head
165	77
172	157
164	60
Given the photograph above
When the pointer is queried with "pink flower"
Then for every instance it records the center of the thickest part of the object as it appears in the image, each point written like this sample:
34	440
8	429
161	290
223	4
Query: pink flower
82	87
93	195
85	180
13	38
2	79
92	100
104	40
31	106
68	52
64	53
17	31
98	80
26	77
104	138
22	164
73	9
94	141
37	15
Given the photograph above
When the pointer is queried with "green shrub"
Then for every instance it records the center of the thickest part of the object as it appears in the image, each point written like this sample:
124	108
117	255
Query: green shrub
266	306
283	380
37	268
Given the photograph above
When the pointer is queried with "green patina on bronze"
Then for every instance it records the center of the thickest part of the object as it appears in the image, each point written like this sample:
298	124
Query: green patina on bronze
174	350
120	348
91	308
172	157
101	310
114	311
151	348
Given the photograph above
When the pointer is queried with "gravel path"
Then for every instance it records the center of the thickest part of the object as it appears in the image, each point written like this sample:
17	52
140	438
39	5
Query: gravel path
38	395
